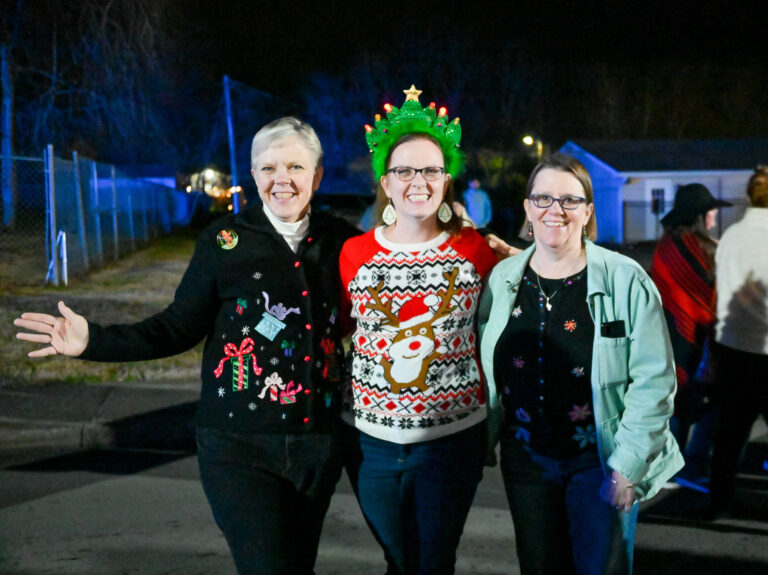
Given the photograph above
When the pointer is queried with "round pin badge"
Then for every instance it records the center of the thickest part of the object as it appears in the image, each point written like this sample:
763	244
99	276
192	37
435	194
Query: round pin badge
227	239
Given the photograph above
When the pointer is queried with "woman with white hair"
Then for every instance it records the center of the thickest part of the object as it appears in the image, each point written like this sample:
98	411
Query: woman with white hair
262	289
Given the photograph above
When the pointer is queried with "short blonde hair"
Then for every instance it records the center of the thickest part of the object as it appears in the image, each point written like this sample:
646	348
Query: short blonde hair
282	130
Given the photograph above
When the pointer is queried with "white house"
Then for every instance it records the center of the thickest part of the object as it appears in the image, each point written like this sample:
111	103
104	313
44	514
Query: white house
635	180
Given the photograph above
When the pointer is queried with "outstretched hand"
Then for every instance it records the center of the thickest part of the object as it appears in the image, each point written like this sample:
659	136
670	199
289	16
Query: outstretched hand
66	334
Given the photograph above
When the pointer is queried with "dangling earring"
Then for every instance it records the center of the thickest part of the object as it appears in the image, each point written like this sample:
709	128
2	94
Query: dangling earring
584	233
530	230
444	213
389	215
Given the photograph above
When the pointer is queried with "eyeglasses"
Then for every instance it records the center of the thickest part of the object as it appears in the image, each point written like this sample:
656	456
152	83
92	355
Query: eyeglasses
566	202
407	173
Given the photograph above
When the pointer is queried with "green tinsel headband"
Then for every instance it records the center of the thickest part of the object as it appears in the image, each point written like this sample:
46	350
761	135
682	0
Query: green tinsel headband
411	119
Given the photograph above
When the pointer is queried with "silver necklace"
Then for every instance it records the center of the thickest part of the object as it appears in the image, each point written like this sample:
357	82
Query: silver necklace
545	296
554	293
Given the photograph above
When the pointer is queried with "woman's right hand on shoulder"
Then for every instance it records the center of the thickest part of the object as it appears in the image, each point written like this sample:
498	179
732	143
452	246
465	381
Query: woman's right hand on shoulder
66	334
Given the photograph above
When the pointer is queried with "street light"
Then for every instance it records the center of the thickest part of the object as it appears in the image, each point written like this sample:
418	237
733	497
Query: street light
530	140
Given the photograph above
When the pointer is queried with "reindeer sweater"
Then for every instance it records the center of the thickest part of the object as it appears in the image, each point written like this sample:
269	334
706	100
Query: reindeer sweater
415	369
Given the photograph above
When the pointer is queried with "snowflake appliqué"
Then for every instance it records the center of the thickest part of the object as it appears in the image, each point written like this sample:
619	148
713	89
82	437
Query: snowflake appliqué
580	412
518	362
387	421
405	424
584	435
578	371
257	276
252	406
523	434
517	312
570	325
274	361
221	392
246	330
371	418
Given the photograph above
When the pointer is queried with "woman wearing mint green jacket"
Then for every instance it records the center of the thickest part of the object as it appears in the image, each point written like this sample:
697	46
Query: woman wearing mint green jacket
581	382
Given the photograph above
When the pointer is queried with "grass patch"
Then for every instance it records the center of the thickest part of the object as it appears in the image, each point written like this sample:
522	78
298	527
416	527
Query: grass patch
125	291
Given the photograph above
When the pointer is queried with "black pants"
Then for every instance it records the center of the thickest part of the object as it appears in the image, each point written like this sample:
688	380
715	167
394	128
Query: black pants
269	494
742	395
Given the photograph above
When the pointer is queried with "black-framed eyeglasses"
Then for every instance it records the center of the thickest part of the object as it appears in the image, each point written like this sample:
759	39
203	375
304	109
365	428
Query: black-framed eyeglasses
407	173
566	202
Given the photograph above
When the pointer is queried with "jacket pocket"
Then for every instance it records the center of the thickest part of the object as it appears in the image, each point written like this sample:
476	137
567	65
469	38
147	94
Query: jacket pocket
613	359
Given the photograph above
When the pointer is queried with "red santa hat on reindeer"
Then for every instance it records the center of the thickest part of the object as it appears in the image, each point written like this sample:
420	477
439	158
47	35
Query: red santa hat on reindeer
417	310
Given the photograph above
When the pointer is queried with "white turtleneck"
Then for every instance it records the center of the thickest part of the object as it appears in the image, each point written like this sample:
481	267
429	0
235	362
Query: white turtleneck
292	232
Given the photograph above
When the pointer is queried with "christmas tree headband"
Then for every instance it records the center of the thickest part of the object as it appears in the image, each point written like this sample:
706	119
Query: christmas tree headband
413	119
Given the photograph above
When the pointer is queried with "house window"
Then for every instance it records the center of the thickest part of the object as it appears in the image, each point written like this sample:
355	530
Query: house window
657	200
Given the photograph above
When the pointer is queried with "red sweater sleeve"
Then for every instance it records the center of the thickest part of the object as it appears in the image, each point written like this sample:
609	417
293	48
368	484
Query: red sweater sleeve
472	246
355	252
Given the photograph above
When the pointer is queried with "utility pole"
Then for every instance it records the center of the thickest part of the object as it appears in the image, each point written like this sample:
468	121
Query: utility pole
230	133
6	148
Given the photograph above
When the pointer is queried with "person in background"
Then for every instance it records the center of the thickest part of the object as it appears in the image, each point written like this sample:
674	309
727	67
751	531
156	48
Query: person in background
740	352
416	392
263	290
478	204
683	269
577	358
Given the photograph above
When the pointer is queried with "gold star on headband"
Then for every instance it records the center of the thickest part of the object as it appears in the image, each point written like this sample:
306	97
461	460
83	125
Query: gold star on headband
412	94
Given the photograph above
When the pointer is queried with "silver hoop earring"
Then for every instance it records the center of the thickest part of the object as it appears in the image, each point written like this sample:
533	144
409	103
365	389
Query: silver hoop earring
389	215
444	213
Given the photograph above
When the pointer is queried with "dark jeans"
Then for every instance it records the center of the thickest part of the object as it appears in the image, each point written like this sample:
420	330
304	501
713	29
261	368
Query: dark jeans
561	524
416	497
269	494
742	395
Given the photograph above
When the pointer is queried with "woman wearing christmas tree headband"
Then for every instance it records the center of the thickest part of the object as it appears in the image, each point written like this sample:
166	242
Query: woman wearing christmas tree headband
415	394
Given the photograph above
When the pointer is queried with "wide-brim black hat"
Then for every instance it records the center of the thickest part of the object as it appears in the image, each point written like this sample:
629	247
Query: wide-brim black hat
691	201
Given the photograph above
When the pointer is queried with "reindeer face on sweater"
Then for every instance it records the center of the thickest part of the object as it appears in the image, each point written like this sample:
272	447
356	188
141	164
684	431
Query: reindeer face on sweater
414	346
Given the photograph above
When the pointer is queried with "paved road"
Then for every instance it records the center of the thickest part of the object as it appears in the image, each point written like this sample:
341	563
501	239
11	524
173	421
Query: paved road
91	512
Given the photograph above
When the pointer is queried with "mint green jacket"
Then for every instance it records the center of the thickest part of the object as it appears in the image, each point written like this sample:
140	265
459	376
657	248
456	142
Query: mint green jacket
633	377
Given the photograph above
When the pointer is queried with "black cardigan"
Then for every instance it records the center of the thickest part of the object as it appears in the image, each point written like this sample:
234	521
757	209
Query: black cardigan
253	379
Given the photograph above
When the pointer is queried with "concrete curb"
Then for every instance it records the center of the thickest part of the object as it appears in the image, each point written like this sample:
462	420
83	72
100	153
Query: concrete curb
103	416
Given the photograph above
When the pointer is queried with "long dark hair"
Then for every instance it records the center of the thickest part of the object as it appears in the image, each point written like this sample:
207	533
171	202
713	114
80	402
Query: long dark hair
696	227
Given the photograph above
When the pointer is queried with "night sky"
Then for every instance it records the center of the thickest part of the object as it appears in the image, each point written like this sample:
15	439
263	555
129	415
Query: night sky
275	45
559	69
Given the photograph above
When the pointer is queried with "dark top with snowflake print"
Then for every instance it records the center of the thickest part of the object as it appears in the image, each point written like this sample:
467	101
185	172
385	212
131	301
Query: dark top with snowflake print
543	365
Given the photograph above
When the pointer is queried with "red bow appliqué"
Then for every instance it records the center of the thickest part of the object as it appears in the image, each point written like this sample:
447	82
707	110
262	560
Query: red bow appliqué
232	352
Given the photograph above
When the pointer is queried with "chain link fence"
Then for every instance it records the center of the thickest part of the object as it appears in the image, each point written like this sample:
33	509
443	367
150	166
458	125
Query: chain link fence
62	217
